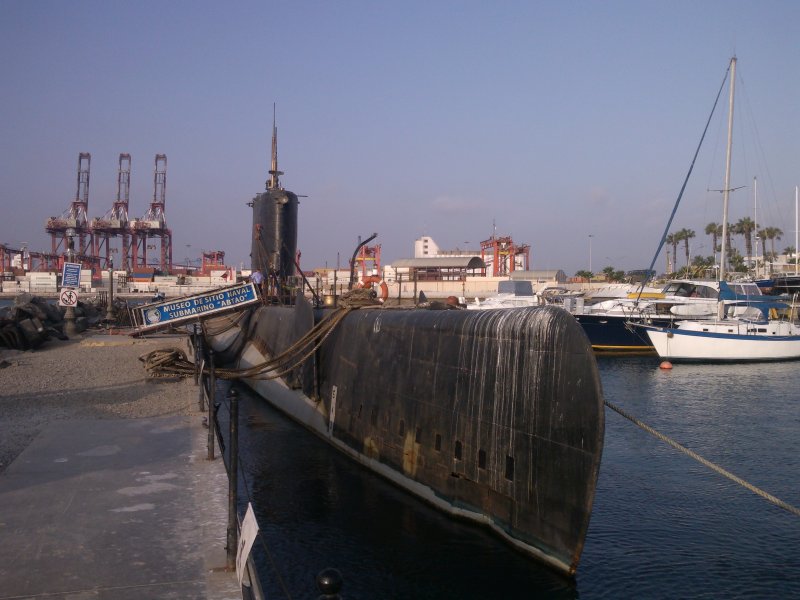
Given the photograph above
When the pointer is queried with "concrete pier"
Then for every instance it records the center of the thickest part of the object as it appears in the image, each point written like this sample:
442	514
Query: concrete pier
109	499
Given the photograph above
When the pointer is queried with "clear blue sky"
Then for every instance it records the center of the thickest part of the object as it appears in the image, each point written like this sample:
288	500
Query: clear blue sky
553	120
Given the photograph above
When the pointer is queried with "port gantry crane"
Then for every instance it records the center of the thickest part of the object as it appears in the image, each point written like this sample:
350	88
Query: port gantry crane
25	260
74	222
504	255
115	222
153	224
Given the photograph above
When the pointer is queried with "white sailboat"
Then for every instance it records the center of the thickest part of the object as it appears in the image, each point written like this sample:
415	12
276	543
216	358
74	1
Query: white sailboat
747	337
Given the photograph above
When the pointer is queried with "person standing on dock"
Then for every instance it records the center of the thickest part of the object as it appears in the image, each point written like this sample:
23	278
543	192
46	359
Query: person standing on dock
257	277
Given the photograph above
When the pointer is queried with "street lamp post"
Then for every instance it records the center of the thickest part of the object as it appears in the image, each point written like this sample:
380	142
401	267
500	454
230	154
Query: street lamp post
590	252
70	329
110	307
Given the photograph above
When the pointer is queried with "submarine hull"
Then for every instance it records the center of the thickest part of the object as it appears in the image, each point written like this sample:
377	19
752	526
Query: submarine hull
494	416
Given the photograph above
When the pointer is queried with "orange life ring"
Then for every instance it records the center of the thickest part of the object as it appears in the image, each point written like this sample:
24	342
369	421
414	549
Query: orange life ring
368	282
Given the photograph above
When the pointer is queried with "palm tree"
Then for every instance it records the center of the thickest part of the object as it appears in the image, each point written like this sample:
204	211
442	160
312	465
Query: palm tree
613	275
771	234
745	228
728	238
584	274
737	261
789	251
685	236
714	230
672	239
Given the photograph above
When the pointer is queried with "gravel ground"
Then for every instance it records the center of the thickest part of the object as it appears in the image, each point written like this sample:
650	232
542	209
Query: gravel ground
90	376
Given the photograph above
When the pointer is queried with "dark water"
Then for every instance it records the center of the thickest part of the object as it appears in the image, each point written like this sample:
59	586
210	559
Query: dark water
663	525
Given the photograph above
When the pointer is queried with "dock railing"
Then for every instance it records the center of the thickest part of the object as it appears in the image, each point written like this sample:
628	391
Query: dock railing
328	581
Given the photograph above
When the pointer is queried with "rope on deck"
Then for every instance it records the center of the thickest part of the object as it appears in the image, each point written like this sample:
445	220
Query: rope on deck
758	491
171	361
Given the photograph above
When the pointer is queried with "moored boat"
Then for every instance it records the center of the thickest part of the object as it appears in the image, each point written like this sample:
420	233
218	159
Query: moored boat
609	324
751	336
727	340
510	294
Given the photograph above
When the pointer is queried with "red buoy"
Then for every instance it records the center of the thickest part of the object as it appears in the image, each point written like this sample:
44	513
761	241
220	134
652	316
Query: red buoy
666	365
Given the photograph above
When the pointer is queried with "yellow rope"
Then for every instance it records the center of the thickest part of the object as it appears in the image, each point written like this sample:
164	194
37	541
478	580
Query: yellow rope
174	361
769	497
229	322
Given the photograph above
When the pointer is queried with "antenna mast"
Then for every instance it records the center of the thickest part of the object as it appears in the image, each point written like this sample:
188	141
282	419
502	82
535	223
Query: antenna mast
274	183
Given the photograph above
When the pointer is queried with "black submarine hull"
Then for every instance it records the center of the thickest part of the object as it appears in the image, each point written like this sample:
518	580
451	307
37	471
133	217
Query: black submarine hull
494	416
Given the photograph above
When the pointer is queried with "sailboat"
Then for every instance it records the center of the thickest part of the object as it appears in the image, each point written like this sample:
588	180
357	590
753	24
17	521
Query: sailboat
750	336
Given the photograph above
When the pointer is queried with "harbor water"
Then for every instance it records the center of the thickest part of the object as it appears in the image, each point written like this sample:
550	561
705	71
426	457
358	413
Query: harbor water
663	525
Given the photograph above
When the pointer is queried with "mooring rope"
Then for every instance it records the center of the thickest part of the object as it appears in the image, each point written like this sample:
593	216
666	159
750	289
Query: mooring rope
289	360
767	496
171	361
229	322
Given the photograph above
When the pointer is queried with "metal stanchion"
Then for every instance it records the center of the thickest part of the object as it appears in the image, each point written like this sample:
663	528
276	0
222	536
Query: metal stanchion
233	479
110	306
212	385
198	369
196	342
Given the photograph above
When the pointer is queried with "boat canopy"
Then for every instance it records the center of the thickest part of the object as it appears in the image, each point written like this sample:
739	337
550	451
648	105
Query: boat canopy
448	262
518	288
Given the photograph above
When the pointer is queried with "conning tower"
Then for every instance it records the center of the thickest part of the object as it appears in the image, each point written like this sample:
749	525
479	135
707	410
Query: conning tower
274	244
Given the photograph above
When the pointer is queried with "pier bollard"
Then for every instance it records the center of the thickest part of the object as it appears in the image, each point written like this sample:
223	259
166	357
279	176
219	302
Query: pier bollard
233	478
70	330
110	307
329	582
212	385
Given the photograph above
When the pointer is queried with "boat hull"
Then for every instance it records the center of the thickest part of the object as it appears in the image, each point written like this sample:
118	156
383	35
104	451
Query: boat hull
690	345
614	334
495	416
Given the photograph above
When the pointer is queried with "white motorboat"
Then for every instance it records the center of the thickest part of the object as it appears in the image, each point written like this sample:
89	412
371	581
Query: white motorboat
510	294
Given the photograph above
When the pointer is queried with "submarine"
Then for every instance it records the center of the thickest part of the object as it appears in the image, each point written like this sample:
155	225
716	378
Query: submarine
495	417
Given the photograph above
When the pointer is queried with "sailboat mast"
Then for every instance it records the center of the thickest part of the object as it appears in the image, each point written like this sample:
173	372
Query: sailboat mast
796	228
755	219
727	188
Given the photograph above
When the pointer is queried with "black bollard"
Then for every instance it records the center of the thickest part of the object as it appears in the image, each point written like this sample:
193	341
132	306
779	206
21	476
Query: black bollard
212	386
233	479
329	582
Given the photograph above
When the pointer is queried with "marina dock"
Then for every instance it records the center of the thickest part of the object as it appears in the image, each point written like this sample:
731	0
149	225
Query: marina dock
105	484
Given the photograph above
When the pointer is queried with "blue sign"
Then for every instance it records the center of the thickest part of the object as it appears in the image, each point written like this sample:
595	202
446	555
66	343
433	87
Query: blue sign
193	307
71	275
